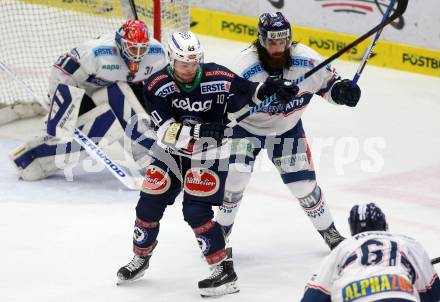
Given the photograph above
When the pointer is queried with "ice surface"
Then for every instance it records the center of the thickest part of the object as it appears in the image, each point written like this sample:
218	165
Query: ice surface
64	241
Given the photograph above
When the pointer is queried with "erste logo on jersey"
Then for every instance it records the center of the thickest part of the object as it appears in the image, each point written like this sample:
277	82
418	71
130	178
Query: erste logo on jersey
156	180
201	182
197	106
105	51
215	87
302	62
252	70
167	89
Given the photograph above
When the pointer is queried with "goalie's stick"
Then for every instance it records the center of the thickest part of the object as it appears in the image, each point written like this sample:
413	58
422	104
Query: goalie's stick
372	44
435	260
400	9
89	146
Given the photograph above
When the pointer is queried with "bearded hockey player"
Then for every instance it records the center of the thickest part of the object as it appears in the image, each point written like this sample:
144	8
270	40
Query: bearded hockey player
189	102
374	265
80	98
278	127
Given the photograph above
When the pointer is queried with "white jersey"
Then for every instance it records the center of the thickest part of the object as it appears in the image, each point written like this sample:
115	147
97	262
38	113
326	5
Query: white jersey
277	118
371	266
98	63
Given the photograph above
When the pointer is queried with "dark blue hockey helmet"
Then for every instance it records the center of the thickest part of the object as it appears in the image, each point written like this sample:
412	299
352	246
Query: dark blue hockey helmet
274	26
366	217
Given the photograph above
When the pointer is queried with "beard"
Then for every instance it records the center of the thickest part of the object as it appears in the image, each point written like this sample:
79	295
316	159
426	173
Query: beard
276	61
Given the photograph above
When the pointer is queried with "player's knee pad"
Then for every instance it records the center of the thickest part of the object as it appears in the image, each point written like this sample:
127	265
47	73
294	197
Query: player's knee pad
196	213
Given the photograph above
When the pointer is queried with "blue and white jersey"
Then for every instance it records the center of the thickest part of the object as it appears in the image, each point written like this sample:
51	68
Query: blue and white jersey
276	118
372	266
98	63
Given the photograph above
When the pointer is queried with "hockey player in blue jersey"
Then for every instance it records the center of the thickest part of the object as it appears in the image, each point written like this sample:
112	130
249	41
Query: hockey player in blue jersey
189	102
374	265
278	127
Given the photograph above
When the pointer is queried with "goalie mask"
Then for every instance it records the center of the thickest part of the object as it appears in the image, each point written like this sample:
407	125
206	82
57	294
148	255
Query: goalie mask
274	26
367	217
132	40
184	47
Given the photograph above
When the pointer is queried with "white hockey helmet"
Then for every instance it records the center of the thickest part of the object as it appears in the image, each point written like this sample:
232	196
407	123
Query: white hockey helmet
184	47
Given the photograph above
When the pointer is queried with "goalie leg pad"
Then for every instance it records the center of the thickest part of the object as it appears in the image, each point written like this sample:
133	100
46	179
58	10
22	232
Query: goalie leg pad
45	155
42	157
129	112
64	109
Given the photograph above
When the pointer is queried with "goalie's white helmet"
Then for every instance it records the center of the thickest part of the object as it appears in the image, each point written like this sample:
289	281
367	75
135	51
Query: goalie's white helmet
184	47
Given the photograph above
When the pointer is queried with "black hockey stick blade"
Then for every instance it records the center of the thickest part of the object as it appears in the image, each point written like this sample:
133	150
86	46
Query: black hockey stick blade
435	260
400	9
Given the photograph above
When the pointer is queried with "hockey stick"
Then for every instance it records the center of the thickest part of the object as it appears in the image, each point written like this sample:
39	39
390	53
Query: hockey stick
129	9
435	260
372	44
91	148
400	9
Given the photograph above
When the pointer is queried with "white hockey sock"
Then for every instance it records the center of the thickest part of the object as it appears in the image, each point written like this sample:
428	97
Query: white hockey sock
313	203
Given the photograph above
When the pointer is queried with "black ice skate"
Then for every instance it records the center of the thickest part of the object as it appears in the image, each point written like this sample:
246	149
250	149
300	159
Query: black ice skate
331	236
221	282
135	269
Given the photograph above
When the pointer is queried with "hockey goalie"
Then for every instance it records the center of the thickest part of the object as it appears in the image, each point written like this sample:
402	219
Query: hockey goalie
97	88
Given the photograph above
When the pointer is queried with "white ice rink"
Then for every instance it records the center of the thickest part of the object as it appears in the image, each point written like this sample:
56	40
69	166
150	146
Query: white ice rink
63	241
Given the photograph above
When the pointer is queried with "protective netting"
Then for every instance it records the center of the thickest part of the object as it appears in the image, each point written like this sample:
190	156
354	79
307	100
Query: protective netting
36	32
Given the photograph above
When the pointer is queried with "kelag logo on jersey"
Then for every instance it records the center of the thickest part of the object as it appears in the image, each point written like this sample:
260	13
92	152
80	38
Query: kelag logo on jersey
105	51
167	89
302	62
188	105
215	87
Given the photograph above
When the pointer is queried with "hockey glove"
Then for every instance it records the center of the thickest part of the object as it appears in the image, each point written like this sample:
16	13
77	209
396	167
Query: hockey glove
212	130
284	90
344	94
